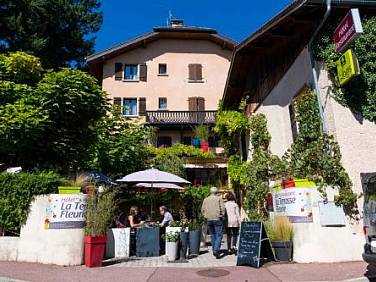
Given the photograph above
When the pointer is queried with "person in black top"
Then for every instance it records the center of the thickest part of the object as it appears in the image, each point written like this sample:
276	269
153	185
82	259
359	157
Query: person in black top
134	222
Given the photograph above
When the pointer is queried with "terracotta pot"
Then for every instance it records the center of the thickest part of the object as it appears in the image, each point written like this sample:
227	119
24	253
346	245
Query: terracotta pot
94	250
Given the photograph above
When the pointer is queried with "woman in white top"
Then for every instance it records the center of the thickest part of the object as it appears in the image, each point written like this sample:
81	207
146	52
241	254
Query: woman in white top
233	223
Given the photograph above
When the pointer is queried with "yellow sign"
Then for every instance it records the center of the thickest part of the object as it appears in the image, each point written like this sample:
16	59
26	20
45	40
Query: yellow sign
347	67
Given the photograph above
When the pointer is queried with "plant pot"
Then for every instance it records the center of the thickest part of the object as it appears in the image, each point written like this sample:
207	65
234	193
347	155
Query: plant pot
183	244
94	250
282	250
196	142
69	190
172	250
194	242
205	146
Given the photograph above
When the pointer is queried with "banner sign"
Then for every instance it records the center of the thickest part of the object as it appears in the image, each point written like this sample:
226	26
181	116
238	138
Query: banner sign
295	203
65	211
349	28
347	67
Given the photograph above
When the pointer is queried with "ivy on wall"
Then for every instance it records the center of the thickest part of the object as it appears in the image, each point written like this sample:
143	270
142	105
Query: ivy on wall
359	94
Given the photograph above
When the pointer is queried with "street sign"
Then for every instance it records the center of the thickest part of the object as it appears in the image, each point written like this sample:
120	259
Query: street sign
347	67
349	28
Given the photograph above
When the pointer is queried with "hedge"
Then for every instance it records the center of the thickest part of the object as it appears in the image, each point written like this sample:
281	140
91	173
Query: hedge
18	190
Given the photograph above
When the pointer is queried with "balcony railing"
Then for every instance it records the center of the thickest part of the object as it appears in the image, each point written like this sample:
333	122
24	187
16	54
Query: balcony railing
180	117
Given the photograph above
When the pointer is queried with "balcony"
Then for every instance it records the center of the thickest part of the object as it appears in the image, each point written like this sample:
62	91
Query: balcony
180	117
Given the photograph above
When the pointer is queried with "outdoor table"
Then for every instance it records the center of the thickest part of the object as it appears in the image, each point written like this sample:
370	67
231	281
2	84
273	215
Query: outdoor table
148	242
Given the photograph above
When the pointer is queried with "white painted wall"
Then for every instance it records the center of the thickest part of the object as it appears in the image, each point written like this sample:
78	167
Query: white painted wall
357	141
48	246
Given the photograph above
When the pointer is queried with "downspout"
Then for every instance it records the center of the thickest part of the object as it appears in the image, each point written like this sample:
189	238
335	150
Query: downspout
313	64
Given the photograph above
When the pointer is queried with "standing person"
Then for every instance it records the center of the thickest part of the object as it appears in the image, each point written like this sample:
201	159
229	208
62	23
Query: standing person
167	216
213	210
233	223
134	222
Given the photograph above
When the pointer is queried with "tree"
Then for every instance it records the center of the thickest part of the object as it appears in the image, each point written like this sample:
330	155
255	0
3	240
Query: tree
59	32
51	123
121	147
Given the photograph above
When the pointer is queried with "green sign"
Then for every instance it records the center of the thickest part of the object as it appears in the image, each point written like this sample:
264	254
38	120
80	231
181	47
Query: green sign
347	67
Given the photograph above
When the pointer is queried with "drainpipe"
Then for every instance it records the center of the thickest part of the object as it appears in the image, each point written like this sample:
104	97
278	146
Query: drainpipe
313	64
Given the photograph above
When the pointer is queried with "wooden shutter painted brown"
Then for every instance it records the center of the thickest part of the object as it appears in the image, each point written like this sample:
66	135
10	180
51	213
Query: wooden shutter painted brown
142	106
118	71
117	102
195	72
143	72
200	103
192	104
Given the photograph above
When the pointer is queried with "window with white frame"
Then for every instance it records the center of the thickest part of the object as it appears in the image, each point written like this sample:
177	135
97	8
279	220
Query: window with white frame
130	106
162	103
130	72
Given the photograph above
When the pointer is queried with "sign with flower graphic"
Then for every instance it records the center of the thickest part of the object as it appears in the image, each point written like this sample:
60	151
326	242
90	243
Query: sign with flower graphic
65	211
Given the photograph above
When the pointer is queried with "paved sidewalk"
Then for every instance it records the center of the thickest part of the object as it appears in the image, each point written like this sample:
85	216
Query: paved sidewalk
272	272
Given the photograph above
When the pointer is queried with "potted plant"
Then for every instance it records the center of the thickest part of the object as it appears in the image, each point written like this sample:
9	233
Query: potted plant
172	241
202	132
73	186
99	214
281	232
194	238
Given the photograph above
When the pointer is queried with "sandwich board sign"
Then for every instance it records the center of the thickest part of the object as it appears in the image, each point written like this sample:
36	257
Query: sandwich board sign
348	29
254	245
347	67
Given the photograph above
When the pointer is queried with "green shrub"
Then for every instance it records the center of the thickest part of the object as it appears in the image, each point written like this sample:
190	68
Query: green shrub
18	190
279	229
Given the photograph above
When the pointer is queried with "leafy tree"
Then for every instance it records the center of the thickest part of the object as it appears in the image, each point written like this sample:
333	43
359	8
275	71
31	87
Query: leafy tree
121	146
59	32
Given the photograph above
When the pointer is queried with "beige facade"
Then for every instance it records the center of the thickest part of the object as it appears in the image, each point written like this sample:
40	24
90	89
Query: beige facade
175	86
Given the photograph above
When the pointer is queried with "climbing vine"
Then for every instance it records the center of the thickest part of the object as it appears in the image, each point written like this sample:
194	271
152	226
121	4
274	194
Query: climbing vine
360	93
317	156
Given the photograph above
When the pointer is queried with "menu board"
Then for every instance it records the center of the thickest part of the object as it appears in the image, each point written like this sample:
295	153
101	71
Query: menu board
254	245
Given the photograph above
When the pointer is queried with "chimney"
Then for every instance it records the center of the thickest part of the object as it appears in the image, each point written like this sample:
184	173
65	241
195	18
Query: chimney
176	23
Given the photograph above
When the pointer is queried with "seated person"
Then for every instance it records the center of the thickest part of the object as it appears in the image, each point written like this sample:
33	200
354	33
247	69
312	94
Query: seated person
167	216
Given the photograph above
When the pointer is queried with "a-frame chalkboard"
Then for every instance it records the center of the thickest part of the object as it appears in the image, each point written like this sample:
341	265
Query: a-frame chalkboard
254	245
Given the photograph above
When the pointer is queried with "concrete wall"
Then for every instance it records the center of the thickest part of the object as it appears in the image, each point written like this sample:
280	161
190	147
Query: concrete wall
49	246
177	54
356	138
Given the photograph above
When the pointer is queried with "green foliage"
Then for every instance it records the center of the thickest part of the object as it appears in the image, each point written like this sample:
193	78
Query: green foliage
59	32
359	94
171	236
121	146
99	213
279	229
17	192
202	131
20	67
170	163
192	199
230	125
255	174
317	156
55	116
181	150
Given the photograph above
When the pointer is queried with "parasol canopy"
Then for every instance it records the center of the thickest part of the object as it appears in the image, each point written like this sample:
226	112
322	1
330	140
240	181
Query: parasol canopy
153	176
158	185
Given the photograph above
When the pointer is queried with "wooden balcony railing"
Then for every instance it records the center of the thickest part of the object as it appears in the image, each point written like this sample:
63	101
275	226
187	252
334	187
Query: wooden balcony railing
180	117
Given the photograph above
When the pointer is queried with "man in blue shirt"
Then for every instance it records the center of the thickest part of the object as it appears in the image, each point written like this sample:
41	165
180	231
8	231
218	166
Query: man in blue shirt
167	216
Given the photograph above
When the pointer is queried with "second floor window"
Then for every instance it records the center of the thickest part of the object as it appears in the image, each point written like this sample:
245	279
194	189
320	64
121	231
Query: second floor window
130	72
130	107
162	69
162	104
195	73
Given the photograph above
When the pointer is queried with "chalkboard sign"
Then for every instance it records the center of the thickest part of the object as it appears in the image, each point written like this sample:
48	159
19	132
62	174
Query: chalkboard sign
254	245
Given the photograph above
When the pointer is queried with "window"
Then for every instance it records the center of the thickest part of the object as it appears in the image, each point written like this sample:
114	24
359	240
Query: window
130	107
130	72
118	71
162	69
195	72
162	104
164	141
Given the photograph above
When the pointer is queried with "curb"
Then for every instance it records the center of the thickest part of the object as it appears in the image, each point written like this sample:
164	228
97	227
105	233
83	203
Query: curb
7	279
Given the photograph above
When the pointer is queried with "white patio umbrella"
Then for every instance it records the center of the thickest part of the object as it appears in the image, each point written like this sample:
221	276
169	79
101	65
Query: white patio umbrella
153	176
159	185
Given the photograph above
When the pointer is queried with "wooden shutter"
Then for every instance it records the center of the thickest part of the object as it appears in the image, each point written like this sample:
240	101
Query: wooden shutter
195	72
117	102
192	104
200	103
118	71
142	106
143	72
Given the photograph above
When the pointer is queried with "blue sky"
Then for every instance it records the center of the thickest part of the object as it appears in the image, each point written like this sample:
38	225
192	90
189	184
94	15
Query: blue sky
237	19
